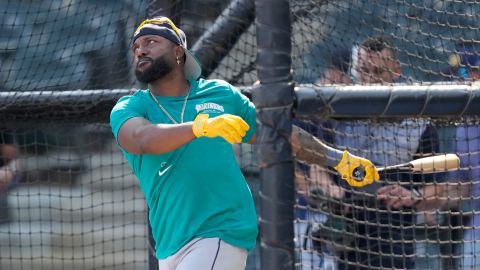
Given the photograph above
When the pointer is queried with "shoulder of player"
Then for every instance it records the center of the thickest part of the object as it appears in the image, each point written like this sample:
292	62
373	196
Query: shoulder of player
216	85
132	98
135	95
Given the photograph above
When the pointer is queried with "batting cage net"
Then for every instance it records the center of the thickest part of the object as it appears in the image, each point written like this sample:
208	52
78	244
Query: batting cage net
409	219
68	199
431	40
383	225
73	202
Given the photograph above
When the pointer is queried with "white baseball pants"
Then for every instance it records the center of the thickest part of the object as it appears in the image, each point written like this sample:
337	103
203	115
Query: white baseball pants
206	254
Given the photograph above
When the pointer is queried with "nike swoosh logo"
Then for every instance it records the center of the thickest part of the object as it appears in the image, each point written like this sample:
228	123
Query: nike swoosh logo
160	173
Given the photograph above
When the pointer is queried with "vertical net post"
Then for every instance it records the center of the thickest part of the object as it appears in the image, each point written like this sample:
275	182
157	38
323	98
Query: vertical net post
274	99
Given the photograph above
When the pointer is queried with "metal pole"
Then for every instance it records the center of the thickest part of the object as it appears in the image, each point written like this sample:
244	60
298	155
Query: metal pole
274	102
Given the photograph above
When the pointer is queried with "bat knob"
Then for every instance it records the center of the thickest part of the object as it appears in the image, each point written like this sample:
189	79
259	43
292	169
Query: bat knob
358	174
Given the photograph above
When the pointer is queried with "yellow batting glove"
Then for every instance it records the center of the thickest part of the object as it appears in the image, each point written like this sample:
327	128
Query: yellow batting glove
357	171
230	127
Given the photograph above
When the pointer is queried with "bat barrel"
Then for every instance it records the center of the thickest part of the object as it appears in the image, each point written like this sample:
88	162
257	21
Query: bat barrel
438	163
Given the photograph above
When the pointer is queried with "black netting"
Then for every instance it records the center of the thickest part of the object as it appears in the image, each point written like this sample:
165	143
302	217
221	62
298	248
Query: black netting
75	203
342	227
432	40
64	45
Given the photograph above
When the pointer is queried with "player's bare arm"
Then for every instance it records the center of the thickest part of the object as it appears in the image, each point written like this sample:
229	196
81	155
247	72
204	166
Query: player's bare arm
355	170
308	148
139	136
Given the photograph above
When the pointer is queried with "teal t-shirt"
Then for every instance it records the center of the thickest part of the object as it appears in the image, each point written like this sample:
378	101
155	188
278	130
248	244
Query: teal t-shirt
197	190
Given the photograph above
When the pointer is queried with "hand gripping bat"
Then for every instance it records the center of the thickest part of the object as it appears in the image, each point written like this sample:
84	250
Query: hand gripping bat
433	164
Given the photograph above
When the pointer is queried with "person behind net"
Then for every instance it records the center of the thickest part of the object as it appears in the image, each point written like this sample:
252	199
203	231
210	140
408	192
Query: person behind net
8	171
464	66
177	136
378	219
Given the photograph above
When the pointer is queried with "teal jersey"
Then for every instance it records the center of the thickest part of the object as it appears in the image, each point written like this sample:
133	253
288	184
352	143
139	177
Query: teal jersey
197	190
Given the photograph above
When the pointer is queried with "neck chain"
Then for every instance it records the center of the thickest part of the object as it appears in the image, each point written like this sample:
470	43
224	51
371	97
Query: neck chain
166	112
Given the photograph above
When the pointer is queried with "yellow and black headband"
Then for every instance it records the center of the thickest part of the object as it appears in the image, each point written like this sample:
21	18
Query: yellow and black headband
161	26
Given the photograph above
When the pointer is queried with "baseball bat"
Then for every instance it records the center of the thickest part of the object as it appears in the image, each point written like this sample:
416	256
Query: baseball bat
437	163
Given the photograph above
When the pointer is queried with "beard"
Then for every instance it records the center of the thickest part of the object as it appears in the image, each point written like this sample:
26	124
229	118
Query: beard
158	69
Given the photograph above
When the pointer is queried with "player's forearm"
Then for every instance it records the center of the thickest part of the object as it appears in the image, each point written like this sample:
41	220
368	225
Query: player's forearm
310	149
162	138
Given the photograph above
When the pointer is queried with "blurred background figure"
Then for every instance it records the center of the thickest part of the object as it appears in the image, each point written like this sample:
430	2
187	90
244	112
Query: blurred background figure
377	227
339	70
464	63
375	61
8	171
